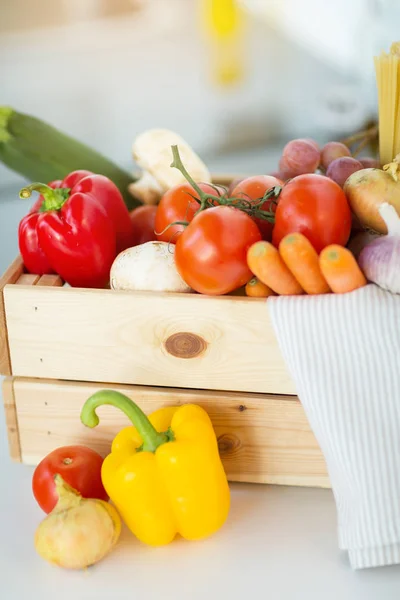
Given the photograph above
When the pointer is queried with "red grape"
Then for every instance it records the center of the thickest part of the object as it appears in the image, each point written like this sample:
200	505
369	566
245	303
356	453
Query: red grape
231	187
368	163
299	157
284	169
279	175
341	168
314	143
331	151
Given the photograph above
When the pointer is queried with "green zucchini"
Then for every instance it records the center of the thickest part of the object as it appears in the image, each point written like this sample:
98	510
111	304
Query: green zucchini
40	152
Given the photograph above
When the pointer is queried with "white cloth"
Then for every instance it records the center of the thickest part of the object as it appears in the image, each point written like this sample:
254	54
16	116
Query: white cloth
343	352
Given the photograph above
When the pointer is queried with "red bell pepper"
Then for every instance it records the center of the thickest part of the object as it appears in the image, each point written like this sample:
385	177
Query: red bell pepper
76	228
109	196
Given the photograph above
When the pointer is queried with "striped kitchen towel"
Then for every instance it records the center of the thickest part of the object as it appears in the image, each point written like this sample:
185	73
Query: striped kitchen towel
343	352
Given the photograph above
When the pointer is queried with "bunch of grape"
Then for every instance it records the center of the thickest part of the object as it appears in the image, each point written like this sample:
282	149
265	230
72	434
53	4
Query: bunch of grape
334	160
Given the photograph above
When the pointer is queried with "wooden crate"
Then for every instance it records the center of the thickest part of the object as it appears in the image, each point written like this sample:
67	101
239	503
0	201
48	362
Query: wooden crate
176	340
59	344
262	438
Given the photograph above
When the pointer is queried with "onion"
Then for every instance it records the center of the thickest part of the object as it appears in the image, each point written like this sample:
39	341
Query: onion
367	189
79	532
380	260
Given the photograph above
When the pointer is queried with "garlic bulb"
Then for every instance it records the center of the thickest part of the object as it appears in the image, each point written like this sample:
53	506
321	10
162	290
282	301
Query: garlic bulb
380	260
360	240
79	531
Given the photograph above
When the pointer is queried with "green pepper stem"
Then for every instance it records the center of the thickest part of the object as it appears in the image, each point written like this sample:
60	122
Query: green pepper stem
53	198
150	436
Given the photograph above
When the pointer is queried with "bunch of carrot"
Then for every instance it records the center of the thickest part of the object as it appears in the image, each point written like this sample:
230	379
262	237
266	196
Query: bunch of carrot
296	268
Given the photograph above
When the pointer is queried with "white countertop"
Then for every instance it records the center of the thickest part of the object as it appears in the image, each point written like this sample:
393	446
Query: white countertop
279	541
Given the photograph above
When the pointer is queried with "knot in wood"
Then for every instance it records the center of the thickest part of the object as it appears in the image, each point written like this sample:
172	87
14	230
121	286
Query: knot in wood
185	345
228	444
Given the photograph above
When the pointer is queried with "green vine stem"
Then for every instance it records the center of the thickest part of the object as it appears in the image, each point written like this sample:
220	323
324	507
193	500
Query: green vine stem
206	200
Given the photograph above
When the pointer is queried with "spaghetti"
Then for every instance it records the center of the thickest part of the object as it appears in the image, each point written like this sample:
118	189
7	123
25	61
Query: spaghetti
387	71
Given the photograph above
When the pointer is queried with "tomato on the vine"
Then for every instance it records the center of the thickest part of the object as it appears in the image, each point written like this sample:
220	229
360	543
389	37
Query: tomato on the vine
211	253
79	466
178	204
143	220
315	206
254	188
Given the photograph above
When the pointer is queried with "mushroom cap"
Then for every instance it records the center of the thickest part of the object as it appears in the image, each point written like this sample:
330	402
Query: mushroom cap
147	267
152	152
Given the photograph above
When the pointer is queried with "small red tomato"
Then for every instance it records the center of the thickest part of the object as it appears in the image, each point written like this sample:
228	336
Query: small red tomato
79	466
234	183
211	254
315	206
143	220
178	204
254	188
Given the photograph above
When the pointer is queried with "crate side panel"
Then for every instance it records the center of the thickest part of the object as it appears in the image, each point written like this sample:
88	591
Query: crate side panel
173	340
262	439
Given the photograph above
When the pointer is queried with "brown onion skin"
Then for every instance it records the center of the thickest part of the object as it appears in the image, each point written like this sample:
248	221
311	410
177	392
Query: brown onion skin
366	190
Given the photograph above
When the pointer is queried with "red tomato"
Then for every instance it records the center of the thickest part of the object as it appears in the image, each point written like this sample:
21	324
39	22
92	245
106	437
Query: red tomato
178	205
315	206
254	188
211	254
144	223
79	466
234	183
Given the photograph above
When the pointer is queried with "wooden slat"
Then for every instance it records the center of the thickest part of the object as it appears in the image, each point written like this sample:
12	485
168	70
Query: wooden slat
11	419
10	276
27	279
50	281
145	339
262	439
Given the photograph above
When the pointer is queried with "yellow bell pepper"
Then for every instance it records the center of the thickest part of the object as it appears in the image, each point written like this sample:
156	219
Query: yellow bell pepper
164	474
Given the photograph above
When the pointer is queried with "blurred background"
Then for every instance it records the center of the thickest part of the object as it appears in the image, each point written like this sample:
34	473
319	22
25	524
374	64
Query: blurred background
236	78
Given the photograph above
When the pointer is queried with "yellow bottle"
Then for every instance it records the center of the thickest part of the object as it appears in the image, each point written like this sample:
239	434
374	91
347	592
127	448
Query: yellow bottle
223	22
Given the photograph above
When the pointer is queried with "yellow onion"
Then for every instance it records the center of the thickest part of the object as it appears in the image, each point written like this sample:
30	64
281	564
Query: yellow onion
79	532
367	189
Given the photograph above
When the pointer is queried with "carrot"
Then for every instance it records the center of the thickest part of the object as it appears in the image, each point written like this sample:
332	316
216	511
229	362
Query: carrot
257	289
301	259
340	269
265	262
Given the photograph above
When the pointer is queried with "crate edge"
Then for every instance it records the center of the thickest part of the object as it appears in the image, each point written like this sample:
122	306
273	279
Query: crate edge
11	418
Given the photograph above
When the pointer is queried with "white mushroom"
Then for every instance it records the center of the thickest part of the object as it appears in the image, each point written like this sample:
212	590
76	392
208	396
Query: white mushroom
147	267
152	152
147	189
